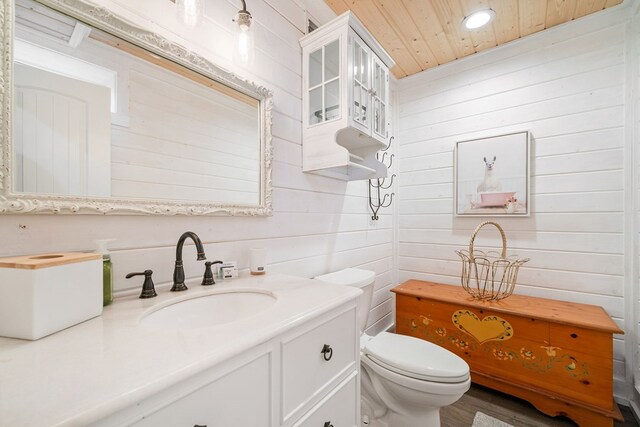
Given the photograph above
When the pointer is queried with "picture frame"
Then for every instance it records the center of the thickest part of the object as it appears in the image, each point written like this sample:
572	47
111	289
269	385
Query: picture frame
492	176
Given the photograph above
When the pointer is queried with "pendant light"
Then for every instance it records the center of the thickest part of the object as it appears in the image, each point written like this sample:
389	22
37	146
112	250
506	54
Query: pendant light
189	11
244	36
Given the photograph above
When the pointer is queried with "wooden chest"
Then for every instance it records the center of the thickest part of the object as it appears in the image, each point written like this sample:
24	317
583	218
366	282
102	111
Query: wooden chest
557	355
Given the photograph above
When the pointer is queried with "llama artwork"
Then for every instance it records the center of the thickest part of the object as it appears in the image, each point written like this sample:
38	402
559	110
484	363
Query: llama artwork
492	175
490	183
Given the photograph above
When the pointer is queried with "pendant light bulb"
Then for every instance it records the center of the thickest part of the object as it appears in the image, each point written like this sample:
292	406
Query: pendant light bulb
244	37
190	11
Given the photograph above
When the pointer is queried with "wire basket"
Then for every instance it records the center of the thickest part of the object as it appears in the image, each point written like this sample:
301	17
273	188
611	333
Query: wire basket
491	275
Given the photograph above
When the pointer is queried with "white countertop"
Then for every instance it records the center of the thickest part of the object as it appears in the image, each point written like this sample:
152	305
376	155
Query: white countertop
84	373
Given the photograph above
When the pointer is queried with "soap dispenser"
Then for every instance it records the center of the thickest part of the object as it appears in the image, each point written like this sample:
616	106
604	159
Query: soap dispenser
107	276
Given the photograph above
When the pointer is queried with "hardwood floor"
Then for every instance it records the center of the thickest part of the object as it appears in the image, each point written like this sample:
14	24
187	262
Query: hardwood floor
516	412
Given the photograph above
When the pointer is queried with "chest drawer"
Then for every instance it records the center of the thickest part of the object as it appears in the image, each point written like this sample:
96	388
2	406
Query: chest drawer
307	371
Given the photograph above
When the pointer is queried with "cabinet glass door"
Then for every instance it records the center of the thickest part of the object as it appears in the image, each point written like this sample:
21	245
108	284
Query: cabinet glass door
379	99
324	83
361	96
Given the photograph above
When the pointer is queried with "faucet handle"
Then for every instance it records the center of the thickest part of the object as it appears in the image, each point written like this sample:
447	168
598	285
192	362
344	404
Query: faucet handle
148	290
208	274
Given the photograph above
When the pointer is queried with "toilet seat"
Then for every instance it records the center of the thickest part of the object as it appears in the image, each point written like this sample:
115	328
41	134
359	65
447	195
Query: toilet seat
415	358
432	388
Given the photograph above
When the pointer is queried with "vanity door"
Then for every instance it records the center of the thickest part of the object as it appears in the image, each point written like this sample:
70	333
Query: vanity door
240	398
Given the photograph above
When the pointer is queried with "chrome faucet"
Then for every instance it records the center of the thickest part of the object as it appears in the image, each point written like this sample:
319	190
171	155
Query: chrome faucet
178	272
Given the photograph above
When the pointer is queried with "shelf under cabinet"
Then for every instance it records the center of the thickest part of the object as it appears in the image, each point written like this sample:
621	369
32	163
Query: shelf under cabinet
350	171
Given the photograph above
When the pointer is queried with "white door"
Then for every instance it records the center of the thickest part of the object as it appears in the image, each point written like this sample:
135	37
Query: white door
62	134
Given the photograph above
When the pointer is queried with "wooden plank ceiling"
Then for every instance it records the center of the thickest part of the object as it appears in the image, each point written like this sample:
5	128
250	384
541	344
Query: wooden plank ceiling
420	34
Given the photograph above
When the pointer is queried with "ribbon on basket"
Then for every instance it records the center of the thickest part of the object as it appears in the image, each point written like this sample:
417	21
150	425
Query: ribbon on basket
489	275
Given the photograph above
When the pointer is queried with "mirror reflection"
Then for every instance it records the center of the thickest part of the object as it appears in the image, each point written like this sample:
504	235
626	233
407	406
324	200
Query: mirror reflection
94	115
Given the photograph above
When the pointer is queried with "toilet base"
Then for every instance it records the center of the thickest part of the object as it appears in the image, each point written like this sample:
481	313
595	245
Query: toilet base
392	400
426	419
374	423
392	419
374	413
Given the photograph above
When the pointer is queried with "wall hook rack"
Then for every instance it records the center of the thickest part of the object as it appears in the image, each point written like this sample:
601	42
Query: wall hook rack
376	199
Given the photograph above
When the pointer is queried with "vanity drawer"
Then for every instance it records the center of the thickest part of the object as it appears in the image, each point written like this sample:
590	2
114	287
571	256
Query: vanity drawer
307	372
339	409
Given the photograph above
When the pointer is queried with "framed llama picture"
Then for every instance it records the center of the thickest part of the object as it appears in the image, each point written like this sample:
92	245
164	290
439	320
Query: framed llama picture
492	176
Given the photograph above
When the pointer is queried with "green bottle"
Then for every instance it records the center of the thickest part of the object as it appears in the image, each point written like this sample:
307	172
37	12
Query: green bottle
107	280
107	273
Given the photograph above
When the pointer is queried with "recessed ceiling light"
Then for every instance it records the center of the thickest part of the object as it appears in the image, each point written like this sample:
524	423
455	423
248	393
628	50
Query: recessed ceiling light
478	19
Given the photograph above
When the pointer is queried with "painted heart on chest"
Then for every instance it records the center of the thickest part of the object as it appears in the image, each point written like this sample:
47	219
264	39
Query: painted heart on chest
491	328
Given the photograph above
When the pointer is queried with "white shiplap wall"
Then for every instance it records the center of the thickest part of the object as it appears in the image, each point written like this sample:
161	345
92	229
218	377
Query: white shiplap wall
567	86
318	225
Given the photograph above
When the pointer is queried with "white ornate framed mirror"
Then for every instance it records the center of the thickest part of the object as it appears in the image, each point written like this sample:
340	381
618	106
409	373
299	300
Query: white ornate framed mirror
100	116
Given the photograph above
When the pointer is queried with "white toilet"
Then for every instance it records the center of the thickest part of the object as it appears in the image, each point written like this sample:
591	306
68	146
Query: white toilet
405	380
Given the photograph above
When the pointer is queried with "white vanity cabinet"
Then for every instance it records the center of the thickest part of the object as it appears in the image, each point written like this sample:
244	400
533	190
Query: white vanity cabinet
345	100
307	376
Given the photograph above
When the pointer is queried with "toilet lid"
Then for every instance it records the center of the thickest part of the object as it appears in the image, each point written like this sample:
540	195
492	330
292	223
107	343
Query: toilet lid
416	358
349	277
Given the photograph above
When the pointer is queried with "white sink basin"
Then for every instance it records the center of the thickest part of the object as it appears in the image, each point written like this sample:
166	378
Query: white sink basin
209	310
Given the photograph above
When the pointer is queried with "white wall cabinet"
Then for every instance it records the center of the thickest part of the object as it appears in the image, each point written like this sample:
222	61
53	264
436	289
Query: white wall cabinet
345	100
288	381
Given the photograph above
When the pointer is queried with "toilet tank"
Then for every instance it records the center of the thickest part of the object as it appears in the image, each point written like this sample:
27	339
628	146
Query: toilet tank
363	279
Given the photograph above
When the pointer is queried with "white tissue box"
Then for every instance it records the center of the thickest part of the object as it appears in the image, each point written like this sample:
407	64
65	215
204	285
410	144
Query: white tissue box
42	294
226	265
229	272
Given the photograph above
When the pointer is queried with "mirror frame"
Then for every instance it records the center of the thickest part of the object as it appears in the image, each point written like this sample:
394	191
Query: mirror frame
103	19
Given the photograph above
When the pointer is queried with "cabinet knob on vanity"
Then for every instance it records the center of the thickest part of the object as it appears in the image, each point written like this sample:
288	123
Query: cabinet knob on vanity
327	353
198	425
328	424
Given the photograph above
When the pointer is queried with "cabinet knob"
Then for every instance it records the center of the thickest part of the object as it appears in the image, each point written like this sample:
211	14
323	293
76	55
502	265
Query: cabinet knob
328	424
327	353
198	425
